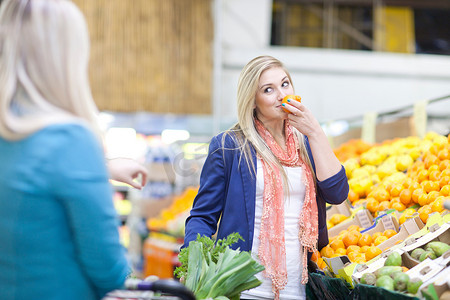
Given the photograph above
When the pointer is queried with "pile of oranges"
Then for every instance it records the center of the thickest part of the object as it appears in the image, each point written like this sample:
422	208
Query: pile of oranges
425	183
359	247
350	149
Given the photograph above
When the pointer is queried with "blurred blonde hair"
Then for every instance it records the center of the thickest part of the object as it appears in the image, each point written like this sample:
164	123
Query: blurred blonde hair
44	54
244	132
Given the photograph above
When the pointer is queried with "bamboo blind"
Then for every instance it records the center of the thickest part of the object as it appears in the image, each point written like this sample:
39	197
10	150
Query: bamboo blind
151	55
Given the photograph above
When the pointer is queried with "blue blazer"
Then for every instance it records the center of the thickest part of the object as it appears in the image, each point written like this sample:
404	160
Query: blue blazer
228	191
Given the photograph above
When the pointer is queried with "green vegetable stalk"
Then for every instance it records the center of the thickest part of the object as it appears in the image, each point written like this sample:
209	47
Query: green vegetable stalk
214	270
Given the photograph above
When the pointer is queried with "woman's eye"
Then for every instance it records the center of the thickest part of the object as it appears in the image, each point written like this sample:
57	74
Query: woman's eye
268	90
285	84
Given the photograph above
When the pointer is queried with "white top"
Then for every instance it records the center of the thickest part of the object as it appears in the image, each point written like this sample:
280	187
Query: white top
292	208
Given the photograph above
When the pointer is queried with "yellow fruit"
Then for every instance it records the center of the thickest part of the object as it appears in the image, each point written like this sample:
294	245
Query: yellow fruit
372	252
337	218
329	224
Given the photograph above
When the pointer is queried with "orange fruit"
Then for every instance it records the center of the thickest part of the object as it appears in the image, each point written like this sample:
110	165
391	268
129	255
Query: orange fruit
383	205
353	196
315	256
434	167
337	218
375	235
352	256
444	164
443	154
353	248
444	180
380	240
445	172
372	252
337	243
407	182
327	251
360	259
372	205
423	199
445	190
365	240
389	233
431	186
422	175
424	212
322	264
414	186
396	189
353	227
415	195
382	195
291	97
365	248
398	206
431	160
394	200
438	204
340	251
405	196
351	238
434	175
432	196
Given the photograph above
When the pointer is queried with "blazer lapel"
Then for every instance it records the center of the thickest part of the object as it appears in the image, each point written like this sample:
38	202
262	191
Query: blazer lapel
249	188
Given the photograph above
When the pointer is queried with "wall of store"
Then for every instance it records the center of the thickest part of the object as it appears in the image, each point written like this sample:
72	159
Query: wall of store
334	84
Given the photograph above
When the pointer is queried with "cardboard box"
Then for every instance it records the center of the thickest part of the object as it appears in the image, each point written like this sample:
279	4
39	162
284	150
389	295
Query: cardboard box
407	229
373	266
425	271
437	233
437	285
363	218
381	224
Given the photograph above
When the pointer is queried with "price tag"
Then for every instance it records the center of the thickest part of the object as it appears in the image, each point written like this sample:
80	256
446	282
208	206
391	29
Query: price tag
363	219
420	118
388	223
369	127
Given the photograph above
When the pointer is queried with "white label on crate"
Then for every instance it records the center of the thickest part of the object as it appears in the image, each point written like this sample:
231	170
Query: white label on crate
387	223
369	127
363	219
420	118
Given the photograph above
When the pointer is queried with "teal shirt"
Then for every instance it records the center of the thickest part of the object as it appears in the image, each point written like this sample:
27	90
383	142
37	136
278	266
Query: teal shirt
58	226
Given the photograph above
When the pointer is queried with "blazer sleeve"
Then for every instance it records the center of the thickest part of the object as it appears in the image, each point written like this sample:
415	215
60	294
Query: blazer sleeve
333	190
209	202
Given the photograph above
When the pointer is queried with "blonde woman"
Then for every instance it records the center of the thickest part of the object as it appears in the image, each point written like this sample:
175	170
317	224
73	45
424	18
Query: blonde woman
58	227
268	178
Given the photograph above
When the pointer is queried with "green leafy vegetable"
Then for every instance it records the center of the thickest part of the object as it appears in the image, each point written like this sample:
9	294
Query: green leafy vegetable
214	270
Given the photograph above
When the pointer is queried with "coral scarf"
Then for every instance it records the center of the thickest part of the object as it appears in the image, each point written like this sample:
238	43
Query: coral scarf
272	251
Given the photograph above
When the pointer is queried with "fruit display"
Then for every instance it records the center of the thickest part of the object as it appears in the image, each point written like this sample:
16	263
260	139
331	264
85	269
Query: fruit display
406	178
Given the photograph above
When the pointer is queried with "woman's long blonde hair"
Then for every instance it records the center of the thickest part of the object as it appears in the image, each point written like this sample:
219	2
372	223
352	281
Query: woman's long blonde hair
44	54
244	131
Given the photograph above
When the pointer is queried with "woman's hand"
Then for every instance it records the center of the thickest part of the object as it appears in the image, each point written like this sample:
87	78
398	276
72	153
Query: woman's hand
303	119
127	170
